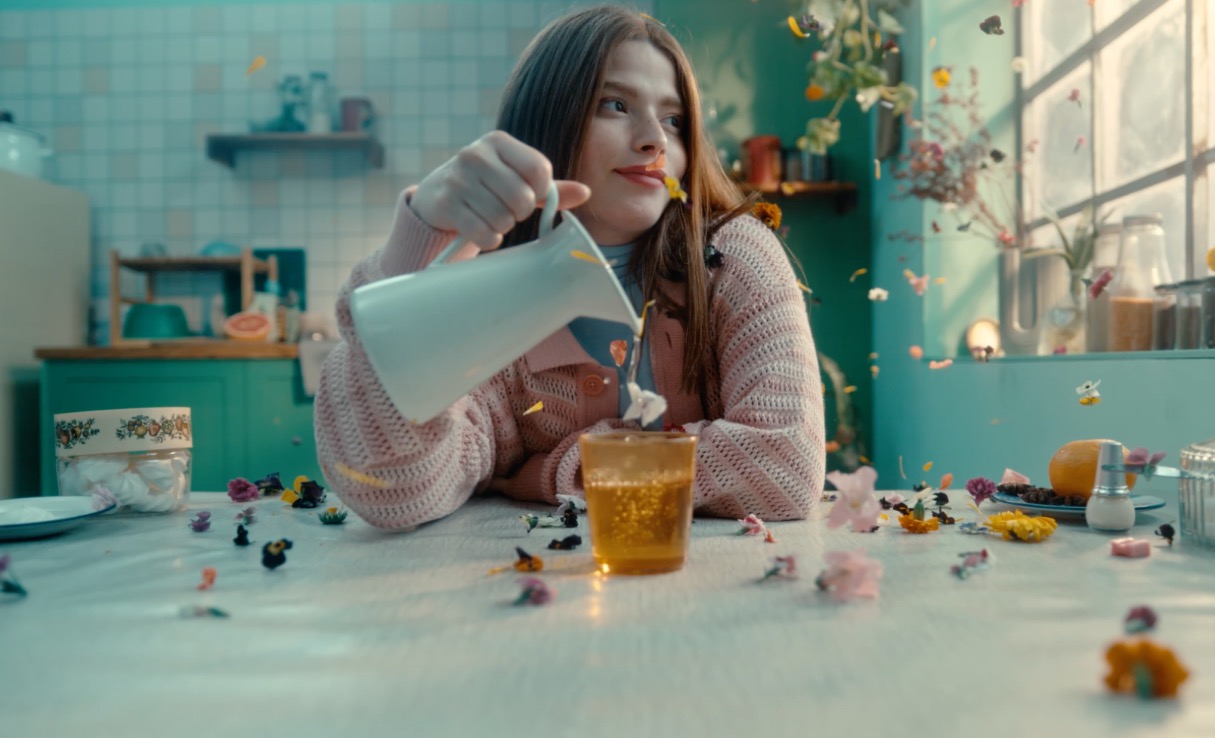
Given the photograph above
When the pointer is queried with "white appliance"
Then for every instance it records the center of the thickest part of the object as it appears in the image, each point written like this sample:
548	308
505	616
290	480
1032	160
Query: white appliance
44	301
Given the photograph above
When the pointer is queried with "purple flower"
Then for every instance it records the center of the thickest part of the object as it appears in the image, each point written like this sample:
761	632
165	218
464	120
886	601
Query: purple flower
246	516
201	522
242	490
981	488
1141	460
1140	619
535	592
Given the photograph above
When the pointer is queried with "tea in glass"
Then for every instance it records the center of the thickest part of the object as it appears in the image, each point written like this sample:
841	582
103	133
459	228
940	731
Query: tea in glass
639	499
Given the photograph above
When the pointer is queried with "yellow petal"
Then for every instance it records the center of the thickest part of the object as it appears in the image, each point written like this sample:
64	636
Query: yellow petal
858	273
797	30
577	254
289	496
258	62
534	408
928	466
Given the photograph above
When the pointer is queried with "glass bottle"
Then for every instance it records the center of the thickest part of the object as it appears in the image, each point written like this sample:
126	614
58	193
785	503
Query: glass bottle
1207	337
1141	267
1064	325
1105	257
320	104
1164	317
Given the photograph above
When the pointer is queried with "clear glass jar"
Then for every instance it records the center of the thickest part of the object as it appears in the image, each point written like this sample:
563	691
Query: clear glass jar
1097	314
138	459
1197	496
1164	318
1207	338
1189	314
320	104
1141	268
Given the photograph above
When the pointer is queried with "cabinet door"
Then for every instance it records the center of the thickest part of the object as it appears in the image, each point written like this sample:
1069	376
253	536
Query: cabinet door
216	392
280	434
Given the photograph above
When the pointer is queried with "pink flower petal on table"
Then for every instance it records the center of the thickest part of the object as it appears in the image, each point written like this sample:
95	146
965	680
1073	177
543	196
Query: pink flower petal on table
849	575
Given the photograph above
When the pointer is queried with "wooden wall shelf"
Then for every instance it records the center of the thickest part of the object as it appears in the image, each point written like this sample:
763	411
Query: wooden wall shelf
844	193
222	147
245	263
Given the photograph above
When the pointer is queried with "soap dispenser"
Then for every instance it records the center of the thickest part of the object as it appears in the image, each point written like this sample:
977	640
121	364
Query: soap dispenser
1109	507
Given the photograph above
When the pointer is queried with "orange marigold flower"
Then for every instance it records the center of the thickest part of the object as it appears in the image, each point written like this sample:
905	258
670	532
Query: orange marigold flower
911	525
815	93
1144	668
767	213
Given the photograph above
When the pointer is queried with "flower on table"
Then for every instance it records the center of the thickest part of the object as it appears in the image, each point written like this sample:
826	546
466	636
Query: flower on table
1015	525
535	592
857	503
917	522
752	526
332	516
781	567
981	489
1140	619
242	490
246	516
1144	668
201	522
849	575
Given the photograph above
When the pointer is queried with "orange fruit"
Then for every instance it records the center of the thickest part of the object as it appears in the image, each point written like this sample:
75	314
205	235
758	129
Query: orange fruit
1073	468
247	327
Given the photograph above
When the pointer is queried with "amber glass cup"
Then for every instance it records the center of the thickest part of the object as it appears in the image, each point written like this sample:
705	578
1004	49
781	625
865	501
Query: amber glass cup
639	499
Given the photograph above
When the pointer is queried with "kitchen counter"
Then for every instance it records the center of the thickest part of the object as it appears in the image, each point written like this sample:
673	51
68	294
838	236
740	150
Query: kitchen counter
188	349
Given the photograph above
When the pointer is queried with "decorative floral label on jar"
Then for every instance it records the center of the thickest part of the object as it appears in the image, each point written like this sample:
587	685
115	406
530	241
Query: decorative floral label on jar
143	427
70	433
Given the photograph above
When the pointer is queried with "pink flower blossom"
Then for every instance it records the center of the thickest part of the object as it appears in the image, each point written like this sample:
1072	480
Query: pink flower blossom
1007	238
535	592
242	490
858	503
981	488
850	574
1140	619
782	567
752	526
1012	477
1074	95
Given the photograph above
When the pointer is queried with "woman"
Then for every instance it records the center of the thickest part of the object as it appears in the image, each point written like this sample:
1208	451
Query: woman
605	101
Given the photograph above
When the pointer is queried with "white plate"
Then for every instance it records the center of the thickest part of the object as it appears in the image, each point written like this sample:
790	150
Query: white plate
1141	502
37	517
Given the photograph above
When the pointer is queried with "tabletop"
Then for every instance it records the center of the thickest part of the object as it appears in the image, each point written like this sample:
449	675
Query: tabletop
368	633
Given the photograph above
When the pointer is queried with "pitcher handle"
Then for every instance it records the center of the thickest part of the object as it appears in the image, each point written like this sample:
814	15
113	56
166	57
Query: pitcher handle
548	217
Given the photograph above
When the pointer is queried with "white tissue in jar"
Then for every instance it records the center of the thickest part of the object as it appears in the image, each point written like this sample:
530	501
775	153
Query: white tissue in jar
155	502
161	474
128	487
100	469
71	482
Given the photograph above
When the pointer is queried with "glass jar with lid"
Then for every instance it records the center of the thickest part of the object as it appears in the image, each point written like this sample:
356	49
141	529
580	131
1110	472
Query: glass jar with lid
1105	257
1196	494
1141	267
1207	334
1189	314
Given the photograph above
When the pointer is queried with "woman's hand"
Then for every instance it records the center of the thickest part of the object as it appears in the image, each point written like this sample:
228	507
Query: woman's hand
488	187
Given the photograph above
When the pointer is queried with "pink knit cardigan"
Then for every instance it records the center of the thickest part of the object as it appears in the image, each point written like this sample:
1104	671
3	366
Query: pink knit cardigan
762	438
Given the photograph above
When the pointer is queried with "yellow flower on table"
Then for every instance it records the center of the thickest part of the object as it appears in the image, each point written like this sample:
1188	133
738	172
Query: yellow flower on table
1144	668
1016	525
913	525
767	213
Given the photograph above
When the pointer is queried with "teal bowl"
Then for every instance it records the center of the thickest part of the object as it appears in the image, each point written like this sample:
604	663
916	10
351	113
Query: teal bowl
154	320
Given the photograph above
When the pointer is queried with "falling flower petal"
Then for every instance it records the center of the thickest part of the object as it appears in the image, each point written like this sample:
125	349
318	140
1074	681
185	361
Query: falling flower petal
534	408
877	294
258	62
915	352
857	503
941	77
991	26
858	273
1019	65
945	364
1098	286
674	189
1074	95
781	567
1080	142
577	254
208	578
644	405
619	350
946	480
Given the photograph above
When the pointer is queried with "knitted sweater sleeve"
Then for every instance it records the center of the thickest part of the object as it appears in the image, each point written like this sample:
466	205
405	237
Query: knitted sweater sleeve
767	453
392	473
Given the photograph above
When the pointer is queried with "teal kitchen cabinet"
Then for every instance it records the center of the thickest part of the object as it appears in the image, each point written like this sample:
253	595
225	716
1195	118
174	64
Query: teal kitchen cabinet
250	416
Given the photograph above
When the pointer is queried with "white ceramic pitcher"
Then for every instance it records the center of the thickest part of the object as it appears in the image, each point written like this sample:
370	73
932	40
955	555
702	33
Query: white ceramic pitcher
435	334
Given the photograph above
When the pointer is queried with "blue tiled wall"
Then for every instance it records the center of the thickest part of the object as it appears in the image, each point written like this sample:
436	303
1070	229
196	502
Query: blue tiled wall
127	92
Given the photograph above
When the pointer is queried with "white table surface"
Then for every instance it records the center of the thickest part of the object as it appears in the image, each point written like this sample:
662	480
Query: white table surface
364	633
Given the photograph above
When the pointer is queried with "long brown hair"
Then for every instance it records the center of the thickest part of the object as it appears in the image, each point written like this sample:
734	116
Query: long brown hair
548	104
